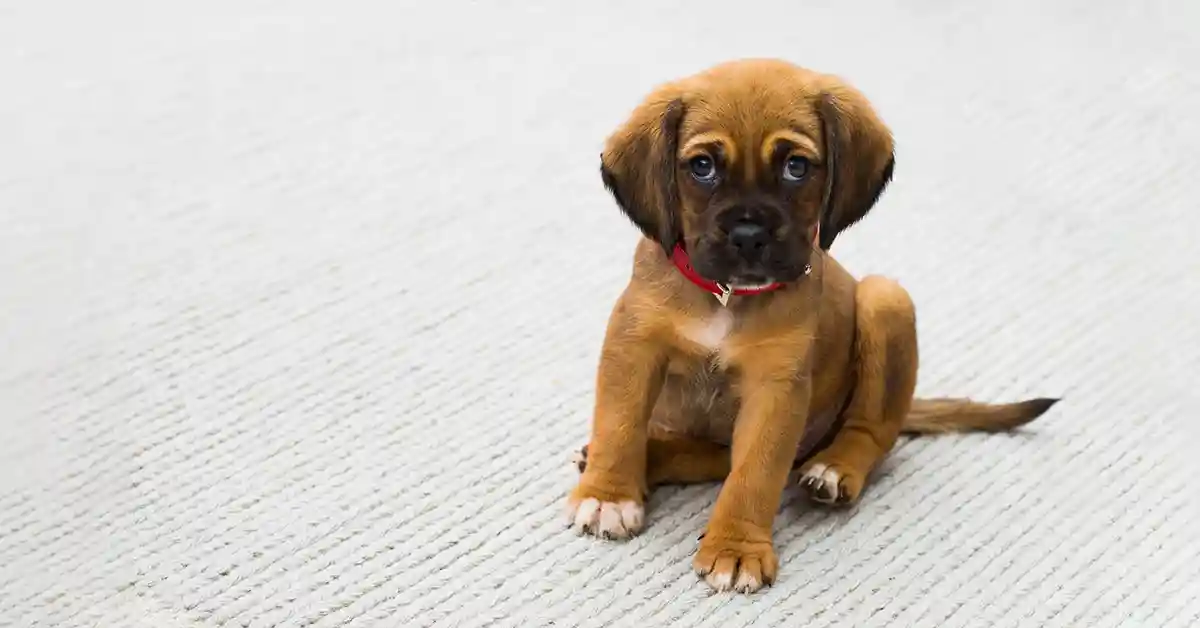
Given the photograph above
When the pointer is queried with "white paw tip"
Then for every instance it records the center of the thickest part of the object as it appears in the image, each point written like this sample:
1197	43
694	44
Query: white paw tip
815	471
606	519
586	514
632	515
747	583
611	525
831	477
721	581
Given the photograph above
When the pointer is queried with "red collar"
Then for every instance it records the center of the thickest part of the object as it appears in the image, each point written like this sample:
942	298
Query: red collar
681	260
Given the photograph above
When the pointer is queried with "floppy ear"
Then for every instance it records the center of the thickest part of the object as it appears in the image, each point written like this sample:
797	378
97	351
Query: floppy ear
638	167
858	158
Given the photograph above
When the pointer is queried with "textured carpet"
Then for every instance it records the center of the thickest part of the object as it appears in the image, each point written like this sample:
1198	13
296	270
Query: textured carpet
300	306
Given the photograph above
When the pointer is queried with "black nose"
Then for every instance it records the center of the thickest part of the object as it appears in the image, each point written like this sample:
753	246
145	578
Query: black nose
749	238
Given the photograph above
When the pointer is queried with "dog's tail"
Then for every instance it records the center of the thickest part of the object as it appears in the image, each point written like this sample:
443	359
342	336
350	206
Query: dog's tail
943	416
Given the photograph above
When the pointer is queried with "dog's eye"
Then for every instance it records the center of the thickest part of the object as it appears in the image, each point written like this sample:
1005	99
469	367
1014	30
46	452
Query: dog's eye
703	168
795	169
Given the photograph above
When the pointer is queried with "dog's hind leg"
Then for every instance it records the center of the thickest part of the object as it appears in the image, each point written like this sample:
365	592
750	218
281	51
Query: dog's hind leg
886	376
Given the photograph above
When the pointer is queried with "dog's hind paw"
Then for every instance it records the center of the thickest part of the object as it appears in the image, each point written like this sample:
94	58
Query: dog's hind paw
830	483
579	458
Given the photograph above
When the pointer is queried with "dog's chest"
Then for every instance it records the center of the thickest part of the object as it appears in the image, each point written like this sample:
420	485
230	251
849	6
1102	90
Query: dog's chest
710	334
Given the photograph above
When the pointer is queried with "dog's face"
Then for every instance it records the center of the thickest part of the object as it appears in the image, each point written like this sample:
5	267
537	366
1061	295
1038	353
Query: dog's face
750	182
744	163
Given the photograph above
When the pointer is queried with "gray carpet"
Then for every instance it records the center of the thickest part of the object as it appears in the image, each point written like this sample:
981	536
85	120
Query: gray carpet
300	306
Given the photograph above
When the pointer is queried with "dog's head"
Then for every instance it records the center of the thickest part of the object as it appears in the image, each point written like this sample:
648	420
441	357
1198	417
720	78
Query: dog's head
744	163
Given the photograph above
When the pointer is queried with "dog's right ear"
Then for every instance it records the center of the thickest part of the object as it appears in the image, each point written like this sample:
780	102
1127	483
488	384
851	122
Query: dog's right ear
638	167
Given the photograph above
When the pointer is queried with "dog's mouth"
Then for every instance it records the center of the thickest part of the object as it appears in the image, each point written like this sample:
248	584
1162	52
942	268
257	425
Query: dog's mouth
775	267
750	281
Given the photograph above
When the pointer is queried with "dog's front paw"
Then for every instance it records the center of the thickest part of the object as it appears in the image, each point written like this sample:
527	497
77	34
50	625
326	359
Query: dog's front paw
604	515
828	482
742	566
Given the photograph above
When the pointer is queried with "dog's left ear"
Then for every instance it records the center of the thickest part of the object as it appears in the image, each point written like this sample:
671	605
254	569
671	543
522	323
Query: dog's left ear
638	167
858	158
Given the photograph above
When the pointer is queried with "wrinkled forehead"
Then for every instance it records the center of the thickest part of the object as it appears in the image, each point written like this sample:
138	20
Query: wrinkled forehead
752	130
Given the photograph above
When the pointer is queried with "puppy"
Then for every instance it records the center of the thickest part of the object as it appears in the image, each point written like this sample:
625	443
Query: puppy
740	349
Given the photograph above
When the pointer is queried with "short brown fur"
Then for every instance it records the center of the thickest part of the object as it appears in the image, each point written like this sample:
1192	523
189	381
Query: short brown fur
821	372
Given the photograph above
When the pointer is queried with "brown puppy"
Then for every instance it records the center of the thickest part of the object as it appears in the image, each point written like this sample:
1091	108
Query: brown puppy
739	347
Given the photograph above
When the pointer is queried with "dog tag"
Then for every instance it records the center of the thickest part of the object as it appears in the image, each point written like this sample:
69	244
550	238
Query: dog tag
723	297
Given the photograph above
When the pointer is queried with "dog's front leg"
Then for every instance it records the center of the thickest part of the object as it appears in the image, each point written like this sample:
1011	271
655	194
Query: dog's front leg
608	502
736	551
